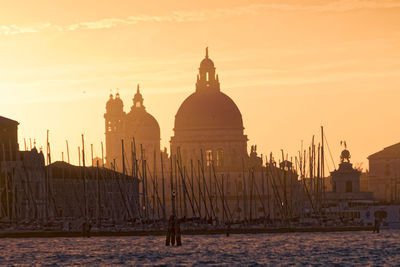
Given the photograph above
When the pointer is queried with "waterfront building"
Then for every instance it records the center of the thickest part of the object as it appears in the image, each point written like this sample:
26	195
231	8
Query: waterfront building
345	182
210	122
384	174
8	138
138	130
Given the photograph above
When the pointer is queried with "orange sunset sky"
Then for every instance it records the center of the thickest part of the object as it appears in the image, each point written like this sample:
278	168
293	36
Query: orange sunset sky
290	66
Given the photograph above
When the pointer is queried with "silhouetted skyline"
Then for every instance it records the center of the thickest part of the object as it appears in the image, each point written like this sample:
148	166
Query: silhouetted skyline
289	67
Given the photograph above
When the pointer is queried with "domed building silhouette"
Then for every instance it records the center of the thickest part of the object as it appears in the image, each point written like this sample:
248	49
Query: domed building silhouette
210	122
136	126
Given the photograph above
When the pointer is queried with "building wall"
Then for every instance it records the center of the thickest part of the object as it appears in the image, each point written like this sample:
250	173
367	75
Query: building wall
225	149
144	146
384	179
235	196
8	139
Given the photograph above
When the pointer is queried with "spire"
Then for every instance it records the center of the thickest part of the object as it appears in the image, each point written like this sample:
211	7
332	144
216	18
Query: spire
207	52
138	99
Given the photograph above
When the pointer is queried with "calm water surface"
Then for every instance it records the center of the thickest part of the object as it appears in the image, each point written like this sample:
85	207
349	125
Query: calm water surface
348	248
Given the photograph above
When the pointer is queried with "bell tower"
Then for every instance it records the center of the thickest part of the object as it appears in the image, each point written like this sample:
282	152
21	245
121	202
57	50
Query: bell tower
113	129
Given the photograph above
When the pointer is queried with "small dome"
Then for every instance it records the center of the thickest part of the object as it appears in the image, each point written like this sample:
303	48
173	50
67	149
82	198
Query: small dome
110	102
207	64
118	101
118	104
114	105
345	155
142	125
139	123
208	110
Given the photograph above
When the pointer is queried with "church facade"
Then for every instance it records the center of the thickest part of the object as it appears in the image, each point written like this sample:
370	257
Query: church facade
127	134
384	174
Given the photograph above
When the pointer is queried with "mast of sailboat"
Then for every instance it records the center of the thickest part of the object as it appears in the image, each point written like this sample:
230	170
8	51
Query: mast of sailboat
182	181
323	165
5	170
155	186
244	192
206	187
192	186
172	187
163	187
84	179
251	178
192	199
225	206
202	193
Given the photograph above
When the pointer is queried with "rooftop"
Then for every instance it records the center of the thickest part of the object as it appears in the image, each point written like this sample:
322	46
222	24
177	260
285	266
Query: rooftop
389	152
7	120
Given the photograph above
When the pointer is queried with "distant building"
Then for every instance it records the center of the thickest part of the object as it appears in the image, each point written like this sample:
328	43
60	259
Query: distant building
384	174
108	195
21	177
137	125
209	121
346	182
33	193
209	172
8	138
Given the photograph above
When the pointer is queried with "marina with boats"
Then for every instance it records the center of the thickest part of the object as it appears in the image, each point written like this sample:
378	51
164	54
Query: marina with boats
59	199
208	181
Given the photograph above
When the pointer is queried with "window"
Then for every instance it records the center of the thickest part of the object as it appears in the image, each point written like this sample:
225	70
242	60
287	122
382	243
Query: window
138	104
209	158
220	157
207	77
349	187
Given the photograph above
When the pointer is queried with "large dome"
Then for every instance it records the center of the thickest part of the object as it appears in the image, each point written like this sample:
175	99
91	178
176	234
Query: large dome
208	110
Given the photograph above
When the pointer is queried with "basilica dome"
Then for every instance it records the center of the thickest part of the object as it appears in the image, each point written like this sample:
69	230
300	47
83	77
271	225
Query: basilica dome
210	123
139	123
208	110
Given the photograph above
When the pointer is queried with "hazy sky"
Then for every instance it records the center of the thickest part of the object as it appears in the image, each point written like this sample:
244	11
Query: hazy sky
290	66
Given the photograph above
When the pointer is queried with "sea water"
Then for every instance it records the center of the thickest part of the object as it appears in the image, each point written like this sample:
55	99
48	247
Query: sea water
340	248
